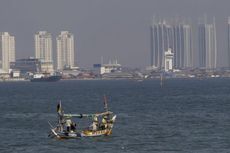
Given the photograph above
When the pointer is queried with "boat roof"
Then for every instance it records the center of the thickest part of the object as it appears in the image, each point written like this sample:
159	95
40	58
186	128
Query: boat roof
88	115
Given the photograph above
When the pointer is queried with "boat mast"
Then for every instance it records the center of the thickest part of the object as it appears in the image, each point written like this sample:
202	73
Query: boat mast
105	104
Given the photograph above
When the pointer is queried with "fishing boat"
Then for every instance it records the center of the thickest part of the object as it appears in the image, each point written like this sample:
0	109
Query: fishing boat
66	128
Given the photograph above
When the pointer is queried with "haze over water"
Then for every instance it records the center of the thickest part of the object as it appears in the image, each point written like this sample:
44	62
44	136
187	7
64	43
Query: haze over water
112	29
183	116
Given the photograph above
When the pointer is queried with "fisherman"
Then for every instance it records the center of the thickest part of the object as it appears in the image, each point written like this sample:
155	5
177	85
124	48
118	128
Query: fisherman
73	127
104	122
68	123
95	124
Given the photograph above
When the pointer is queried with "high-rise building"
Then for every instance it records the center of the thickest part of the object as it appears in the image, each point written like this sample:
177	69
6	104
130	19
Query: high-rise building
43	50
182	46
229	42
207	45
65	50
7	50
43	46
161	40
176	36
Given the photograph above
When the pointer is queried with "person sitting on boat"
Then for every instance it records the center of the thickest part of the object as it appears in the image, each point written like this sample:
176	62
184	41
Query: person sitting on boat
95	124
68	123
73	127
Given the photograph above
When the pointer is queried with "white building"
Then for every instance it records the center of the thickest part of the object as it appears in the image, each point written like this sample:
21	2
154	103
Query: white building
43	47
7	50
65	50
169	60
111	67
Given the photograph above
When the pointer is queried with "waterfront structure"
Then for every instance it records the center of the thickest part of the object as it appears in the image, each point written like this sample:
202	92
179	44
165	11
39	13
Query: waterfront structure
32	65
65	50
168	60
207	45
97	69
110	68
43	49
118	75
178	37
7	51
28	65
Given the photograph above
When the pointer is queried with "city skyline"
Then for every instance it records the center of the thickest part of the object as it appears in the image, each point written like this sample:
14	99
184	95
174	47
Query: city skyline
112	29
175	35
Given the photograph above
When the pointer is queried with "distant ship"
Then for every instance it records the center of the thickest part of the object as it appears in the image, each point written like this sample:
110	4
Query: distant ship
43	78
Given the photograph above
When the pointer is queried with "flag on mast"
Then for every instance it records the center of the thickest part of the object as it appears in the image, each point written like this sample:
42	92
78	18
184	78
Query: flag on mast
59	110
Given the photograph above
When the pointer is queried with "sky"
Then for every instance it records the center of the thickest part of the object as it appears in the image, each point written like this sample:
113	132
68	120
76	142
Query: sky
114	29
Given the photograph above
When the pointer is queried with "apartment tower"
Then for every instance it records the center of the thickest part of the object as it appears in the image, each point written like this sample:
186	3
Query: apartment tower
43	46
65	50
207	45
7	50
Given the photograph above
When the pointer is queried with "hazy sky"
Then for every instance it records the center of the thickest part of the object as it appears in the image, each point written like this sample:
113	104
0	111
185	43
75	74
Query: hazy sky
109	28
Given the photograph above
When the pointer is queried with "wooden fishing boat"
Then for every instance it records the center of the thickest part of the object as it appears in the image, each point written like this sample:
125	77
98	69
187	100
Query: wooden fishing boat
65	128
107	131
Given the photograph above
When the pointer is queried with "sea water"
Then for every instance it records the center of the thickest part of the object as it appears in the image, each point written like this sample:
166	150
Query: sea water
184	115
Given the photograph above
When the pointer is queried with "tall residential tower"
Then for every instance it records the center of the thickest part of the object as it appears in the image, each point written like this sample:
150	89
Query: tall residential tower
43	50
182	46
207	45
229	42
7	50
65	50
178	37
43	46
161	41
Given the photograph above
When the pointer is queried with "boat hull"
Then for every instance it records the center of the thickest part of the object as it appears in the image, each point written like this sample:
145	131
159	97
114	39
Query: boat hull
46	79
87	133
90	133
65	135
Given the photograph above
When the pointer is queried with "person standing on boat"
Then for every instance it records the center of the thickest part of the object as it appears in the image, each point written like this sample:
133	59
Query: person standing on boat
104	122
95	124
68	123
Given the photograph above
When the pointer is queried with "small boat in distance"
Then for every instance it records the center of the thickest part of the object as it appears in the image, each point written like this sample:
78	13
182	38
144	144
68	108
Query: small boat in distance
45	78
66	127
